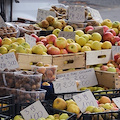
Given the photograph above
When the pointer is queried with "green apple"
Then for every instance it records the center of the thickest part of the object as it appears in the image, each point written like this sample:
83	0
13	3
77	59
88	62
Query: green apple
79	32
111	69
68	28
37	49
51	117
12	46
20	40
64	116
115	24
98	109
108	106
86	37
25	44
3	50
85	48
17	117
79	47
7	41
96	36
20	49
90	108
5	45
56	32
70	41
72	48
96	45
81	41
44	48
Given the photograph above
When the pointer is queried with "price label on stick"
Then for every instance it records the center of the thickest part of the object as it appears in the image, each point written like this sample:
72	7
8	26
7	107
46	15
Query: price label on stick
42	14
86	78
115	49
31	40
117	101
8	61
64	86
76	13
67	35
84	100
34	111
2	23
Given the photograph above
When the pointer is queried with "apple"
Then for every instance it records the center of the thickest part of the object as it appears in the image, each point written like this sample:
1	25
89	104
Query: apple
107	36
53	50
3	50
51	117
118	60
96	45
41	37
90	108
44	41
96	36
89	28
104	99
79	33
81	41
116	30
56	32
63	51
51	39
39	43
85	48
111	69
76	37
97	68
118	43
86	37
78	46
116	56
7	41
68	28
112	31
70	40
60	104
106	45
64	116
49	45
105	28
44	48
115	39
115	24
36	37
110	65
60	42
37	49
0	41
107	22
104	67
72	48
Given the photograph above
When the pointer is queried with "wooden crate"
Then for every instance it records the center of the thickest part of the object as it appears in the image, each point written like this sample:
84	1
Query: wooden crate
98	57
108	79
66	61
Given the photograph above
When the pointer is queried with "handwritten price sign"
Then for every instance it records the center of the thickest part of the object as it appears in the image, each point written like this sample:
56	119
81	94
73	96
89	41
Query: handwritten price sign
8	61
76	13
84	100
115	49
31	40
86	78
67	35
117	101
64	86
42	14
34	111
2	23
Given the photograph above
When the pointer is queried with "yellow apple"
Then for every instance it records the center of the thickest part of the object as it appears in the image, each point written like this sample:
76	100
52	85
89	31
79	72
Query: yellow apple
90	41
3	50
79	33
68	28
70	41
78	46
76	37
96	45
107	22
20	40
6	41
81	41
44	48
85	48
106	45
86	37
96	36
28	50
56	32
115	24
37	49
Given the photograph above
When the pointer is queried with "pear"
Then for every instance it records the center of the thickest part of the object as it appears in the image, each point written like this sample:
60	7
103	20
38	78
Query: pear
12	46
3	50
20	49
25	44
50	19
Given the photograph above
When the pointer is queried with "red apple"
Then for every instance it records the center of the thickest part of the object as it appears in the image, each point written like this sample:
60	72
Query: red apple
116	56
0	41
117	69
39	43
105	28
51	39
41	37
104	67
44	41
60	42
118	60
107	36
112	31
72	48
35	36
53	50
49	45
63	51
115	39
89	28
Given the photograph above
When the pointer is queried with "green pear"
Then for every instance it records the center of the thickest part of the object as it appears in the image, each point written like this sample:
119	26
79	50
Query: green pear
3	50
12	46
51	117
17	117
25	44
64	116
20	49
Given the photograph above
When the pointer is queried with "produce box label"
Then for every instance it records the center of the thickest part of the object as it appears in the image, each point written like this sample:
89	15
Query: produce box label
42	14
95	14
64	86
8	61
117	101
84	100
115	49
31	40
34	111
86	78
67	35
2	23
76	13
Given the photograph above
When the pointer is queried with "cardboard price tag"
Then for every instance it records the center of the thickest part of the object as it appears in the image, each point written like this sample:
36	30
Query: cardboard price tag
8	61
64	86
34	111
86	78
76	13
117	101
2	23
115	49
84	100
42	14
95	14
31	40
67	35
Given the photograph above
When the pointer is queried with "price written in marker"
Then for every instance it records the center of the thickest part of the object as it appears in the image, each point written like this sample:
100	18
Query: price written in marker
86	78
84	100
67	35
115	49
34	111
64	86
117	101
2	23
8	61
42	14
76	13
31	40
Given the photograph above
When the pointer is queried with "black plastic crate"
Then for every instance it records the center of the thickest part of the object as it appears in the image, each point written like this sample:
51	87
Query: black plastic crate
45	33
4	117
7	106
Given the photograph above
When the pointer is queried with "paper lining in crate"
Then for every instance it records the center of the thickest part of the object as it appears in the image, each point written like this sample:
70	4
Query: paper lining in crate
108	79
63	61
98	57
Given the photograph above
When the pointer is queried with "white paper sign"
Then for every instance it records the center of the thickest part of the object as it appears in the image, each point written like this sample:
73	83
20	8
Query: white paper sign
117	101
95	14
115	49
64	86
67	35
35	111
84	100
76	13
86	78
2	23
31	40
8	61
42	14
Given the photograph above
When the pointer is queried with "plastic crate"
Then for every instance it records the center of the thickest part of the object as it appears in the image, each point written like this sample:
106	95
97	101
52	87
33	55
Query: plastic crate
4	117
